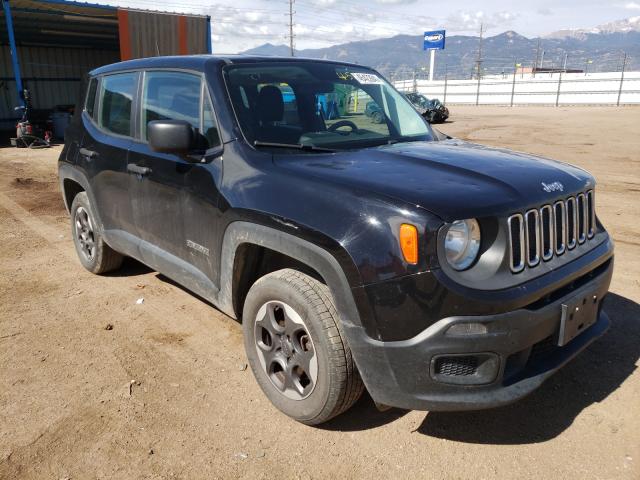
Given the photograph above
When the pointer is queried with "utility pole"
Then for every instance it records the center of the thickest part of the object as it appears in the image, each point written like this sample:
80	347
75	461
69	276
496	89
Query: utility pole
516	65
479	59
564	64
291	12
479	64
624	64
446	80
535	65
559	87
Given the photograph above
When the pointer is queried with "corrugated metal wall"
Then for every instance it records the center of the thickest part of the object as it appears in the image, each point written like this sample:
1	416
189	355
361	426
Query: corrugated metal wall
197	35
53	75
153	34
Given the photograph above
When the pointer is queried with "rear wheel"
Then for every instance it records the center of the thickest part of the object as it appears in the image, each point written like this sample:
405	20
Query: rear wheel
95	255
296	347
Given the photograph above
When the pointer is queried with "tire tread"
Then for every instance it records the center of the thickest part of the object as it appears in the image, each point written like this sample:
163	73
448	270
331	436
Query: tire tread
347	386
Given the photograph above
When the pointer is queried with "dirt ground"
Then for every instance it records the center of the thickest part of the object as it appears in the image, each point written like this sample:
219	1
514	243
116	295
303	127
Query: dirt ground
164	393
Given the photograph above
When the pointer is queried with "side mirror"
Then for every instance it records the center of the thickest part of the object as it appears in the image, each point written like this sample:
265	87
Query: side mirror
170	136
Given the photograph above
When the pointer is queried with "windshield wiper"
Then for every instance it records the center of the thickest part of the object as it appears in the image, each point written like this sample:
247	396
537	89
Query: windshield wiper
297	146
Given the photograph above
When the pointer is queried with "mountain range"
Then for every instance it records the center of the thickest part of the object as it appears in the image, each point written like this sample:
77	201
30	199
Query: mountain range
599	49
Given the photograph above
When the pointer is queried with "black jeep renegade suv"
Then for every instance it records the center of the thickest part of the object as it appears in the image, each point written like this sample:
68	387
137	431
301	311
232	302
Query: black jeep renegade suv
435	273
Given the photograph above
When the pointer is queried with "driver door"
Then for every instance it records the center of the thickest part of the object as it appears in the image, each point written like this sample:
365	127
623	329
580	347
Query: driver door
176	200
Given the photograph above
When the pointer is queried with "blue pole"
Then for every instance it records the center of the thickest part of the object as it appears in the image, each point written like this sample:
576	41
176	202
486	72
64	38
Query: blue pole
209	50
14	51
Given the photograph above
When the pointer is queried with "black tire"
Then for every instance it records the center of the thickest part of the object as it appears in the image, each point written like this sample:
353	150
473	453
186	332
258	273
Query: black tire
338	384
100	257
377	117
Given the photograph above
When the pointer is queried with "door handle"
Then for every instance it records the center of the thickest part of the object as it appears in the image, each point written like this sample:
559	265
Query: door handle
137	169
88	153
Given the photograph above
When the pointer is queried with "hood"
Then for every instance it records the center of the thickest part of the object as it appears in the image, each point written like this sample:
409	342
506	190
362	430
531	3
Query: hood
452	179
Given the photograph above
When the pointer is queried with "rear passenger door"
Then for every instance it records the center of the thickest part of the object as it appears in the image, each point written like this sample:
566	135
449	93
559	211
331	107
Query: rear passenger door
175	204
108	121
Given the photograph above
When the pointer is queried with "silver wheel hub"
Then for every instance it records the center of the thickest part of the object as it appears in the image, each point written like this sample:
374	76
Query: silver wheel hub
285	350
84	233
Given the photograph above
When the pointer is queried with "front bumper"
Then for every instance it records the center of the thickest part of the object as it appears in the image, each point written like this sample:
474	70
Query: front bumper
521	346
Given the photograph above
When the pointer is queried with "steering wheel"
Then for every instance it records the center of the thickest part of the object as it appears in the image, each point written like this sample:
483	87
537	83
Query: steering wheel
343	123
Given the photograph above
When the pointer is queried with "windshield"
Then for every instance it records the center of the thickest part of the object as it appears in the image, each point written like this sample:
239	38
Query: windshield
321	105
419	100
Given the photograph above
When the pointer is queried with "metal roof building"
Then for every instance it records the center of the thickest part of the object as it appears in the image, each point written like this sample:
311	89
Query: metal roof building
47	46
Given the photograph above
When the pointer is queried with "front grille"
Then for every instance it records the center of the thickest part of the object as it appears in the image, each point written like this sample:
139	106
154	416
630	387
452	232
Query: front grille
546	232
516	237
582	218
456	366
571	223
560	223
533	237
591	214
550	230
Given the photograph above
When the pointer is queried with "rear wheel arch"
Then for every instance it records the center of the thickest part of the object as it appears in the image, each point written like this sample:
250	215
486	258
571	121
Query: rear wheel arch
70	188
70	176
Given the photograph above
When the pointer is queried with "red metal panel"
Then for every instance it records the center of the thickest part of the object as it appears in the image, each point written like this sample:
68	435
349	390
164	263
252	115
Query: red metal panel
182	35
125	38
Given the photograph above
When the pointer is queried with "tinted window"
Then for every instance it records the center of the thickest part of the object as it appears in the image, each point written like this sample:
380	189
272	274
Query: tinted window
320	104
91	96
116	96
170	96
209	125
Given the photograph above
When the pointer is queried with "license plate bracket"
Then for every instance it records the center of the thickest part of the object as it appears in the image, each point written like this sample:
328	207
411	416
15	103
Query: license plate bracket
578	314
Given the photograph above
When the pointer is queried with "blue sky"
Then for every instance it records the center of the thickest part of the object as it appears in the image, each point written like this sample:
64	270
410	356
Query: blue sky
243	24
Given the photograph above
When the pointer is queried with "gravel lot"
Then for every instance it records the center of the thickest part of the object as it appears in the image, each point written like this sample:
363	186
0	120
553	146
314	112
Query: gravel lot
164	393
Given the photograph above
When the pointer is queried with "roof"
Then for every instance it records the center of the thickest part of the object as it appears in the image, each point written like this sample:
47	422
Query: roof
85	8
67	23
198	62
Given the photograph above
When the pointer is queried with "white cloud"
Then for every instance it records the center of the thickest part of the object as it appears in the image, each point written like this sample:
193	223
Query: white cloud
341	33
632	6
395	2
465	21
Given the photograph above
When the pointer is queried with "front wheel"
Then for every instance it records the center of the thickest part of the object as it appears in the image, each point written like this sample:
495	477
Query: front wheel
296	347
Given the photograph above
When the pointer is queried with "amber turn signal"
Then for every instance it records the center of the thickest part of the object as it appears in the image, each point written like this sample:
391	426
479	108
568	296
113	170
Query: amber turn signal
409	243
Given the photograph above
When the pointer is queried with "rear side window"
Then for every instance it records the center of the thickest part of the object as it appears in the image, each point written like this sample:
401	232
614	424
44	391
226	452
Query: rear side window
170	96
116	96
91	97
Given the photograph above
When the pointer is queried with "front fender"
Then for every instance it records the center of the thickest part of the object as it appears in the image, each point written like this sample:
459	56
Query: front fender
332	271
240	232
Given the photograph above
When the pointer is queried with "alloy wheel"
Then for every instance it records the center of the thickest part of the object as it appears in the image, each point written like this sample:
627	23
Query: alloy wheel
285	350
84	233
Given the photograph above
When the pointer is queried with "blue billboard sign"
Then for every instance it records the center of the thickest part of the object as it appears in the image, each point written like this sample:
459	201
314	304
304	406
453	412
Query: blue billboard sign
434	40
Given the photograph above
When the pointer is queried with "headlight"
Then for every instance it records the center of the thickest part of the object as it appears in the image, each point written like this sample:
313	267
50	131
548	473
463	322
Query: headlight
462	243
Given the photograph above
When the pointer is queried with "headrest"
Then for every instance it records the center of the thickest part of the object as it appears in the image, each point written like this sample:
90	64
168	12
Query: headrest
270	104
